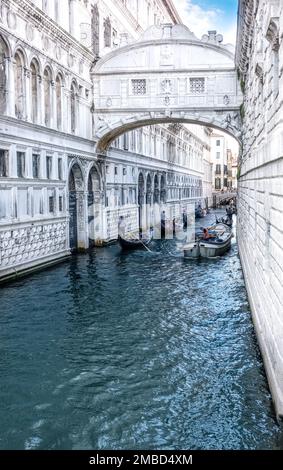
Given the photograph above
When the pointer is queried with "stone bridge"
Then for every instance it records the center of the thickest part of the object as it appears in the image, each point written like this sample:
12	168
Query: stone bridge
169	75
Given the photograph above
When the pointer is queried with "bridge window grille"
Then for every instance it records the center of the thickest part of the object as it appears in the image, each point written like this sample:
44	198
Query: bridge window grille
139	87
197	86
3	163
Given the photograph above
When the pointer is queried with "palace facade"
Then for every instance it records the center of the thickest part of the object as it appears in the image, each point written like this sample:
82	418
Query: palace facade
56	194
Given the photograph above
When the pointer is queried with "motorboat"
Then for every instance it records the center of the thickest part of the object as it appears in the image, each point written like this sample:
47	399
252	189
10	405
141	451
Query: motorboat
217	244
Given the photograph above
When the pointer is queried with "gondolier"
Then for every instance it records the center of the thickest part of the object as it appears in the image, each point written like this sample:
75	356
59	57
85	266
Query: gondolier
121	226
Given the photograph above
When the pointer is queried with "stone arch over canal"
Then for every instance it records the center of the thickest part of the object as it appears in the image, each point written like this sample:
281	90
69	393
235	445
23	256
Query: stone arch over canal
85	199
169	75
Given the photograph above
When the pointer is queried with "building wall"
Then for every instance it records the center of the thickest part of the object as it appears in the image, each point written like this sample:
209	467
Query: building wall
260	204
50	177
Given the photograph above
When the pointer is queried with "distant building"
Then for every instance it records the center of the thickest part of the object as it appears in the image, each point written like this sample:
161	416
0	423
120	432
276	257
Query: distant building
224	157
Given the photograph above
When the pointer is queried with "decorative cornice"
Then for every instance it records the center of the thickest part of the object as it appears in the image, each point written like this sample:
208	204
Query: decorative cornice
173	13
45	24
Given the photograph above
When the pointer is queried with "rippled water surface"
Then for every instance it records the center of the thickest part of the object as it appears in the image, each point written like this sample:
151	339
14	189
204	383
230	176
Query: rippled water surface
138	350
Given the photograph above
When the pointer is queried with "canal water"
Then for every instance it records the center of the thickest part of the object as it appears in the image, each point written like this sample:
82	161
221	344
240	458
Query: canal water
133	351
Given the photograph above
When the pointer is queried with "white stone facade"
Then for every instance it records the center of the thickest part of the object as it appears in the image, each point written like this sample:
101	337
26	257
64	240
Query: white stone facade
260	228
51	181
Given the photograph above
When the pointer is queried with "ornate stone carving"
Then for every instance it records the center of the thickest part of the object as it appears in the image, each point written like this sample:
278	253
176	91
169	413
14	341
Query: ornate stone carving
259	71
272	33
212	37
231	122
32	242
58	52
29	32
45	42
167	100
11	19
166	86
226	100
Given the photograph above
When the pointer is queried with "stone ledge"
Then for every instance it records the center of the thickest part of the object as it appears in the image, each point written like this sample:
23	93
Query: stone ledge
12	274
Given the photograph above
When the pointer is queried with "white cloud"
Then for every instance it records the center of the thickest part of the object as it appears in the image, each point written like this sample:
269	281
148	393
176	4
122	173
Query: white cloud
200	20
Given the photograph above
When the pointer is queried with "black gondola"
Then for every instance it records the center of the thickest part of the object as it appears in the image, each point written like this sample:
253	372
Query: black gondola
133	244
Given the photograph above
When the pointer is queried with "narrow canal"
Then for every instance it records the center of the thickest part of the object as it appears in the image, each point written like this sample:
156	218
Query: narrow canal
133	351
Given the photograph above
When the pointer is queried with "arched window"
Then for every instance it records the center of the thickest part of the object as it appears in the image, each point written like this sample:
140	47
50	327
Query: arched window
3	80
59	101
95	30
73	107
107	32
19	85
47	78
34	91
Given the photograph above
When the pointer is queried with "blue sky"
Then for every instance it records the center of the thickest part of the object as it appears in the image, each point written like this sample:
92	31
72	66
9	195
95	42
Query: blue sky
201	15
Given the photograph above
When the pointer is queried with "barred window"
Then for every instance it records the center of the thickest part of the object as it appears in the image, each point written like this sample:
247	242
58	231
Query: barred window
60	203
139	86
51	204
197	85
35	166
3	163
48	167
21	164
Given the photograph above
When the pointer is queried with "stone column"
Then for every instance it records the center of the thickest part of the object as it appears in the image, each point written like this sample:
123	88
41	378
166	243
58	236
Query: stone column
65	111
10	87
27	91
53	117
41	117
82	217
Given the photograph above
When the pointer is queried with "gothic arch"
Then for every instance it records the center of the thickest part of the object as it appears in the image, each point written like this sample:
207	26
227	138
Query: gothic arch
4	54
47	87
19	65
75	163
76	187
34	85
94	204
59	83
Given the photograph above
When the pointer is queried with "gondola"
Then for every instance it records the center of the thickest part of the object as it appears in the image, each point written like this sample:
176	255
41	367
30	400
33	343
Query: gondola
133	244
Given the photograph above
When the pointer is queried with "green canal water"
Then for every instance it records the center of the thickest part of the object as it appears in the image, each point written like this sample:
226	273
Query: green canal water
133	351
